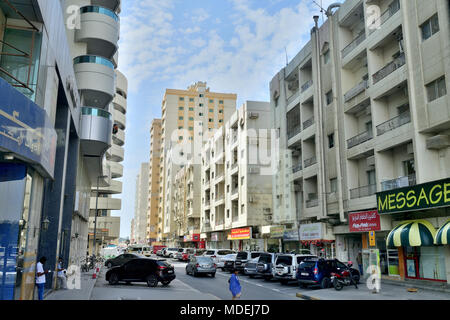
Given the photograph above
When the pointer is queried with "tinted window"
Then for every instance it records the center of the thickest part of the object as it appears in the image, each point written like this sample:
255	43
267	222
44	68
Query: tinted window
287	260
255	254
163	264
265	258
307	264
224	252
241	255
340	264
180	250
209	252
300	259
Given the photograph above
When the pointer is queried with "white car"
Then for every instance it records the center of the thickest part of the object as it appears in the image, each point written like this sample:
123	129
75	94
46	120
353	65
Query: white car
215	254
221	260
285	267
170	252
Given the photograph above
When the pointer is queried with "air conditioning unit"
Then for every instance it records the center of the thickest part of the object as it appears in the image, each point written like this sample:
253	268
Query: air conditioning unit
253	115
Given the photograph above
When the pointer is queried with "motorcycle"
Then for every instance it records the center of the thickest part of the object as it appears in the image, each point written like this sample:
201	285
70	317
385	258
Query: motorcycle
343	278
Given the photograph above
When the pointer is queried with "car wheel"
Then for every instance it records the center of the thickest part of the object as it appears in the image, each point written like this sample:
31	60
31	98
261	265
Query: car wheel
109	265
213	274
114	279
152	281
303	285
356	278
325	283
337	285
187	272
283	282
165	283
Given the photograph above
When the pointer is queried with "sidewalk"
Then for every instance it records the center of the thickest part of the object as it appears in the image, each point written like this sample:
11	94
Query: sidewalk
87	285
388	291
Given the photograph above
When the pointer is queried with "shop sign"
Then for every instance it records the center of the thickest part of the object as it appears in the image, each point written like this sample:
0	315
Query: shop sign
423	196
25	129
203	236
187	238
372	242
277	232
311	231
196	237
240	234
291	235
364	221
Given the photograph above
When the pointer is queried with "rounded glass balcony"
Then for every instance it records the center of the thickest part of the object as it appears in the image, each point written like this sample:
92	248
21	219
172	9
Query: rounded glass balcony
96	112
98	9
93	59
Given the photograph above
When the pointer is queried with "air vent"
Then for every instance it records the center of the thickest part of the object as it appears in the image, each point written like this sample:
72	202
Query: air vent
253	115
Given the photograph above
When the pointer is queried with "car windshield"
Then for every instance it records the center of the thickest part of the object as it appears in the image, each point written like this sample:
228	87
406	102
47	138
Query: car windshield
307	264
300	259
204	260
242	255
286	260
230	256
224	252
265	258
255	254
209	252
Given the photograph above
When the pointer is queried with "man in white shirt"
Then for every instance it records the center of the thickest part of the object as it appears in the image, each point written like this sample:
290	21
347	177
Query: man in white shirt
62	280
40	277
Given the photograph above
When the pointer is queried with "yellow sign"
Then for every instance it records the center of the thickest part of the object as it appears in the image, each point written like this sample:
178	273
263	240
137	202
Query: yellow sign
372	239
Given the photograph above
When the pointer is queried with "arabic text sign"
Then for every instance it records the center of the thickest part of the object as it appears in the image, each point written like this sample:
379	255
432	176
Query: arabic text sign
25	128
364	221
312	231
240	234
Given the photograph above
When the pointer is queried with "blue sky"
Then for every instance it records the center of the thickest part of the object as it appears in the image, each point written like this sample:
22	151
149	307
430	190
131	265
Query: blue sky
236	46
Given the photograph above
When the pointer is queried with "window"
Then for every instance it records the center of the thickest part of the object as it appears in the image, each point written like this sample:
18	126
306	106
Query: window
190	138
436	89
211	101
221	120
181	99
371	177
200	104
242	209
333	185
228	213
191	109
211	120
201	95
228	188
180	118
331	140
221	111
180	138
408	167
191	118
220	101
430	27
180	108
329	97
191	128
191	99
200	114
180	128
326	57
211	110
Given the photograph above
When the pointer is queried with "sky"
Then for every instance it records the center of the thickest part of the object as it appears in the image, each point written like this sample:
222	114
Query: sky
236	46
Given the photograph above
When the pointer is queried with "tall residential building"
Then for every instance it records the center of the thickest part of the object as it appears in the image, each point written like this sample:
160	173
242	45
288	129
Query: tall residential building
364	114
154	181
132	231
236	181
188	117
141	204
93	29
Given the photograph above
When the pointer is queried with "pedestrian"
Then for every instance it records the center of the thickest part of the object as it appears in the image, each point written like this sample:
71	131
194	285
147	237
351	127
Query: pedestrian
40	277
62	279
235	285
359	262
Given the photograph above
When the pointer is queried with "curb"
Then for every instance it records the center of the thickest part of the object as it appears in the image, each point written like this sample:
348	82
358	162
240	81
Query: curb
94	283
305	297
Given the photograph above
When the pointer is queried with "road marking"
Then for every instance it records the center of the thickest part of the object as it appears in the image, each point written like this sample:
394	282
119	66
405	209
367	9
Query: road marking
197	291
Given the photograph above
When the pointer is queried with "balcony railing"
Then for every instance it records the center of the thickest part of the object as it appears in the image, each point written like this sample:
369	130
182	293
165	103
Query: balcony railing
308	123
306	85
400	182
389	68
353	92
297	168
220	222
234	166
235	218
393	8
207	203
394	123
360	138
359	39
296	130
312	203
234	191
293	97
234	138
309	162
219	198
364	191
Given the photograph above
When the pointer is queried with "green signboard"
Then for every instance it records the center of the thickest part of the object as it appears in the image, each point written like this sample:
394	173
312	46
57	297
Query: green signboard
277	232
422	196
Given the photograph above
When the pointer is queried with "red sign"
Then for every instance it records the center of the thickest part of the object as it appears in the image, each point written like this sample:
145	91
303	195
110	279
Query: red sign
240	234
364	221
196	237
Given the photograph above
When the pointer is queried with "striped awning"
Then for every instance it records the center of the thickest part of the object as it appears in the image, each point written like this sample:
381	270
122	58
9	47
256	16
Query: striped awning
443	234
413	233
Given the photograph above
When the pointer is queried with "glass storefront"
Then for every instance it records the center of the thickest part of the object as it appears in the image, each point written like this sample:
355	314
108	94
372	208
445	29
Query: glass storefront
427	263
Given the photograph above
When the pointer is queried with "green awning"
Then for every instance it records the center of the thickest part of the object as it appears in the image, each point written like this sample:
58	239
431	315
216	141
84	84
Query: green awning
443	234
413	233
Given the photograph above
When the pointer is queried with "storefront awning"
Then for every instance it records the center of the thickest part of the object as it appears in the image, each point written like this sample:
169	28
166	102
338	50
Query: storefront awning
443	234
413	233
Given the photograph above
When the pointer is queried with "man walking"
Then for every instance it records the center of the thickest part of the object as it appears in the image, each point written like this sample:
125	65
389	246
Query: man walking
62	280
40	277
235	285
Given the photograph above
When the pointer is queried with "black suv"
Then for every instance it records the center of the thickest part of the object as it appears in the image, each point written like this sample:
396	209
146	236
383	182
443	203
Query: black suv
243	257
147	270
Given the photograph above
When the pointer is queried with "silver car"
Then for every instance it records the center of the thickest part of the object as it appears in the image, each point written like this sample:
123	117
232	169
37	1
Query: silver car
201	265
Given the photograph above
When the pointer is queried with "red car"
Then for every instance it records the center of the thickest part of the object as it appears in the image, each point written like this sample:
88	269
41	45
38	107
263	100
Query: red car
186	254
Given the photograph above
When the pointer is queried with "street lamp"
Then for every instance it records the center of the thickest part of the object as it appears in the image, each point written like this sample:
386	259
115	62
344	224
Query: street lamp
95	215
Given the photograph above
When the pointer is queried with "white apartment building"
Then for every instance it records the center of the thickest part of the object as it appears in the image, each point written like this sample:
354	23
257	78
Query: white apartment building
141	204
364	116
236	184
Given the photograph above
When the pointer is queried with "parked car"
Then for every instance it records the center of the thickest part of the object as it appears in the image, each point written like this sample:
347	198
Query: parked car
216	253
317	272
121	259
251	267
177	255
169	252
147	270
201	265
266	263
244	256
159	252
199	252
185	254
286	266
226	263
156	248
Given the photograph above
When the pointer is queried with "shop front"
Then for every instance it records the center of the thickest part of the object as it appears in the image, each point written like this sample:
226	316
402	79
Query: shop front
318	239
217	240
193	241
421	222
291	241
242	240
270	244
276	236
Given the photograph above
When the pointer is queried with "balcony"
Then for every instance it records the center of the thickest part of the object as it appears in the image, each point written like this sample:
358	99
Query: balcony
234	138
293	97
389	68
296	130
106	203
220	198
394	123
96	128
95	79
116	170
360	138
234	166
306	85
394	7
356	90
308	123
120	119
119	137
364	191
99	29
297	168
400	182
115	187
115	153
113	5
311	161
220	222
235	218
312	203
357	41
207	203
